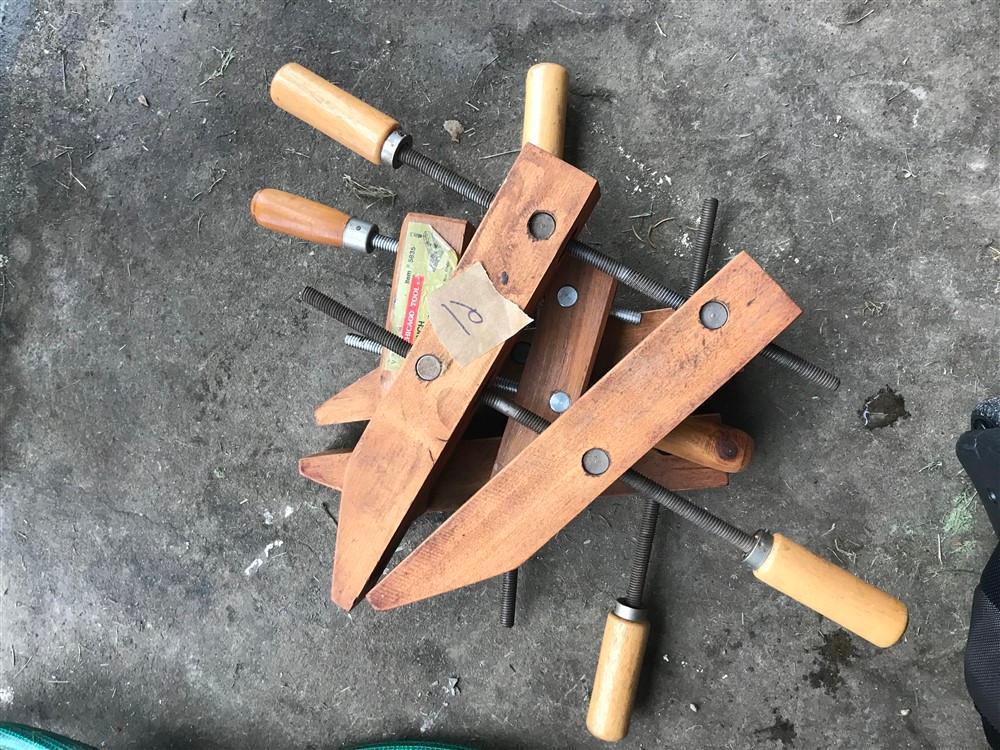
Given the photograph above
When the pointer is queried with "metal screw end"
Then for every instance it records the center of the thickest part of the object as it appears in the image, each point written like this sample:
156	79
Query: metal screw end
596	461
508	598
542	225
559	401
713	315
428	367
626	315
355	341
567	296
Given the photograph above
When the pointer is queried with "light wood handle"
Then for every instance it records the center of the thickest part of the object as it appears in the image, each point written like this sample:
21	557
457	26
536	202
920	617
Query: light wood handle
299	217
835	593
546	91
706	442
617	677
331	110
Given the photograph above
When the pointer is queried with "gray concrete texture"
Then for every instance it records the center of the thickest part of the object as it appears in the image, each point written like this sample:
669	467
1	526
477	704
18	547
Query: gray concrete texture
158	373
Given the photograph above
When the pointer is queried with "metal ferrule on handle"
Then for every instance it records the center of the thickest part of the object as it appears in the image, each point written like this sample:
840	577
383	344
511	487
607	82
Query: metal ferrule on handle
358	233
394	145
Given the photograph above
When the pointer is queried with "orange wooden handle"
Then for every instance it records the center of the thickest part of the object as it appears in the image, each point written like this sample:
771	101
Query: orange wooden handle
546	91
617	677
331	110
706	442
299	217
855	605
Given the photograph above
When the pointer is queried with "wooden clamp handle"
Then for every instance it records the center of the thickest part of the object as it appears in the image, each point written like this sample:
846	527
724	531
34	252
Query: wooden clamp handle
332	111
546	91
617	677
706	442
299	217
835	593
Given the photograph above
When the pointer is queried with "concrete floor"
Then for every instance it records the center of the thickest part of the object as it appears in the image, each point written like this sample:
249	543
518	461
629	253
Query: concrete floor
158	375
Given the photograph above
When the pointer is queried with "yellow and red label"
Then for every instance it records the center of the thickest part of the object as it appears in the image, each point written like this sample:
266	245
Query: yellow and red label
426	263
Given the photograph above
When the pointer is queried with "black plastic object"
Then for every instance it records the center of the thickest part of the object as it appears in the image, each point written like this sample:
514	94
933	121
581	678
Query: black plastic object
987	414
979	452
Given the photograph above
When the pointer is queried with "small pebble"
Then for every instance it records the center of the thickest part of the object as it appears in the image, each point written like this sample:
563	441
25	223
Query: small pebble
454	129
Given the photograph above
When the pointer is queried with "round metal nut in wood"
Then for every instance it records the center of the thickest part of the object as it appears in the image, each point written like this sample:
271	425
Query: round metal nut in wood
429	367
596	461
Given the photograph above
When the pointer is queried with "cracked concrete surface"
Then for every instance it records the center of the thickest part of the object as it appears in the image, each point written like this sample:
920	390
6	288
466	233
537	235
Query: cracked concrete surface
157	373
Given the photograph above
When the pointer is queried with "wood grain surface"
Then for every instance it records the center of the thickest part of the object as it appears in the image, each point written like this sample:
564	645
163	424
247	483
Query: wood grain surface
416	422
545	486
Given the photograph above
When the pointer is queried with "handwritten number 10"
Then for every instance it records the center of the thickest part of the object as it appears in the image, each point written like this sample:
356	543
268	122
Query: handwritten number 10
472	314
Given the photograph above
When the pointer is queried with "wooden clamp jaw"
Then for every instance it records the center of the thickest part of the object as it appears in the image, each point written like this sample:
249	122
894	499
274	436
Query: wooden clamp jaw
471	466
417	422
571	319
683	362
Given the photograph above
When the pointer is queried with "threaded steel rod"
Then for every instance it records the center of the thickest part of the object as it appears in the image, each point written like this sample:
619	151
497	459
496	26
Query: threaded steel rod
383	243
702	244
496	400
683	507
641	552
643	547
355	341
614	268
508	598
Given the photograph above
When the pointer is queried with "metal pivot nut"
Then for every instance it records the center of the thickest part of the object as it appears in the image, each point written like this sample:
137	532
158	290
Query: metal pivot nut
713	315
559	401
429	367
541	225
567	296
596	461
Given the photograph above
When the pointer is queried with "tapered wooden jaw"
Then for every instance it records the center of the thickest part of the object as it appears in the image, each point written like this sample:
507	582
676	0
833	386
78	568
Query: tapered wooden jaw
417	423
681	363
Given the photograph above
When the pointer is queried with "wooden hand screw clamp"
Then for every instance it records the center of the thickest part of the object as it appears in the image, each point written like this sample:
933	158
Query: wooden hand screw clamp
775	560
577	427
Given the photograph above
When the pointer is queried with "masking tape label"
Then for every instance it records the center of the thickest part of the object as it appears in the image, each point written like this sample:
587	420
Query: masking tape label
471	317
